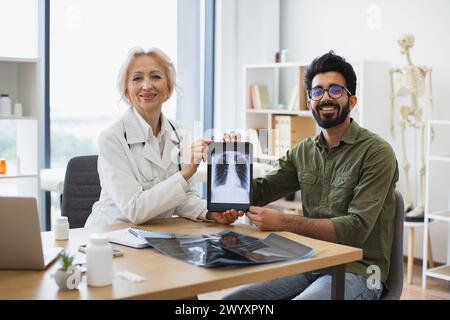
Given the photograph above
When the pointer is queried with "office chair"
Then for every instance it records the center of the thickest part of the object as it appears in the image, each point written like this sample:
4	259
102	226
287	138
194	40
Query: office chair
81	189
395	277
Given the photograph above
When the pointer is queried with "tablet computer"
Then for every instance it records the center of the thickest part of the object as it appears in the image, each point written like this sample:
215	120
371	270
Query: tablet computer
230	168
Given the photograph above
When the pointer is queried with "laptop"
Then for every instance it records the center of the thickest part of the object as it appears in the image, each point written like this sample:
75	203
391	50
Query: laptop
20	236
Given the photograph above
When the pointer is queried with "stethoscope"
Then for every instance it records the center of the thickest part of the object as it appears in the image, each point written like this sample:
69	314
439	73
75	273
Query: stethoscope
178	143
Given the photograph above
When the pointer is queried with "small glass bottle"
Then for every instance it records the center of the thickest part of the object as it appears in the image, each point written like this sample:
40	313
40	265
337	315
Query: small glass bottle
2	166
99	261
61	228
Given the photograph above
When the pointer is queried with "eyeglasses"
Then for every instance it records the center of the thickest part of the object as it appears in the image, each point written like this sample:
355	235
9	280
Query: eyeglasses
335	91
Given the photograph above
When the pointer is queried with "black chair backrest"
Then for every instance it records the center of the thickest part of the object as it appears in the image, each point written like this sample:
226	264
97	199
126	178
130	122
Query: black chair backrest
81	189
394	281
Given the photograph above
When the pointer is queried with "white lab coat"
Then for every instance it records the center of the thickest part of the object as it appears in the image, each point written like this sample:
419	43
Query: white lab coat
138	184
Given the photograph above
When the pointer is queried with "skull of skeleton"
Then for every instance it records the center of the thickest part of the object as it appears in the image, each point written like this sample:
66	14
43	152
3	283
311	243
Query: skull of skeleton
406	42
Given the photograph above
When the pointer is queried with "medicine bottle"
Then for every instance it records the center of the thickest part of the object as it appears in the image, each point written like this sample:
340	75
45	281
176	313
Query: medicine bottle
5	105
99	261
18	110
2	166
61	228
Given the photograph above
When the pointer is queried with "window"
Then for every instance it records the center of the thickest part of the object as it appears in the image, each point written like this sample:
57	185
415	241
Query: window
88	42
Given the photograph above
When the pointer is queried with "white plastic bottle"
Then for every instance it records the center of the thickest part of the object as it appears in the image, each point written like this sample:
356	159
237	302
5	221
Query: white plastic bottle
99	261
5	105
61	228
18	110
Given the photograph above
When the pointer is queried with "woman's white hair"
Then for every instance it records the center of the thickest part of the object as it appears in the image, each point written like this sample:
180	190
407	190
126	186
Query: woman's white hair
168	65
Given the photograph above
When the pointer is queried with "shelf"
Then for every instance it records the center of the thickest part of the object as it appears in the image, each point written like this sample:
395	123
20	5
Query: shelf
443	159
444	122
276	65
442	272
20	78
17	176
440	215
18	118
280	111
18	60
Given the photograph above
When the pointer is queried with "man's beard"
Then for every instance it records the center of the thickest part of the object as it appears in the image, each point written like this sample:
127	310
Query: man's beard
327	122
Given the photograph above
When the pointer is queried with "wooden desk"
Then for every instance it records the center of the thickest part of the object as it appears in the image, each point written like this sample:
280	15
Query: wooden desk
168	278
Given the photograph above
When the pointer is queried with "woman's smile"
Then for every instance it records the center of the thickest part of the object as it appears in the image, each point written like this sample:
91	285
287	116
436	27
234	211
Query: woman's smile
148	97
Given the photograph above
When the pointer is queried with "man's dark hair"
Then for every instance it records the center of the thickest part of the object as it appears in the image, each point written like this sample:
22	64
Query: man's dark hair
331	62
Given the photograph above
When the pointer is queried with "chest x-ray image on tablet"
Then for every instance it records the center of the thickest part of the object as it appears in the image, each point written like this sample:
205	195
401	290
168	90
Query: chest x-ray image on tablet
230	168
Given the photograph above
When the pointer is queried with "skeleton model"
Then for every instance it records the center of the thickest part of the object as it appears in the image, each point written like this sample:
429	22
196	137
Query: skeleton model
410	82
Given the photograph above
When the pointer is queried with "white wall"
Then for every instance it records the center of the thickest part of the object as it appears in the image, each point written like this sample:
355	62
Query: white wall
247	31
368	30
18	20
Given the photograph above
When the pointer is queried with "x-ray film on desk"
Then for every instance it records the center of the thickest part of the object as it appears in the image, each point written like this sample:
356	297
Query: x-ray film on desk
226	248
230	167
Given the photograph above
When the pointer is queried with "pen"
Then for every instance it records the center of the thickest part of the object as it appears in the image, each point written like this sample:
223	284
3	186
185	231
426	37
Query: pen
135	233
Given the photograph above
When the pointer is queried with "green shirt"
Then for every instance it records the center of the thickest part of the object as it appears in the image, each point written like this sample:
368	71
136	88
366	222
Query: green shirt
352	184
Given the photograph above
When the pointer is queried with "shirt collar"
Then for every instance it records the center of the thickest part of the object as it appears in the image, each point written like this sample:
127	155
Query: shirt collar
349	137
132	128
352	132
147	129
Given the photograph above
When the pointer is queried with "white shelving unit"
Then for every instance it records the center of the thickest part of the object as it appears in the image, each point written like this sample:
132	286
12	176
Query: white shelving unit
19	77
441	272
280	79
373	93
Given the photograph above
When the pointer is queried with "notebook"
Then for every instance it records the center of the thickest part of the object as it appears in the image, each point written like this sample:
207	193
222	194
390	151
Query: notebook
135	237
126	238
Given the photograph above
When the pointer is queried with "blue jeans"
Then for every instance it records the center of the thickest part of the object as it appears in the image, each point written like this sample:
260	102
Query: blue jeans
305	286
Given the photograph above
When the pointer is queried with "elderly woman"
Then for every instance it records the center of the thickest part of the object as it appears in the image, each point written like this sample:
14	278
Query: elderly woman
139	165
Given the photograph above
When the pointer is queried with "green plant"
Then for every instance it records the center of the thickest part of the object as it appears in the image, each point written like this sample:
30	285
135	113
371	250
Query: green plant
66	260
